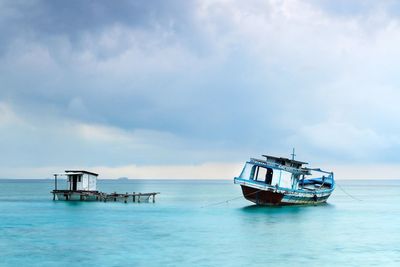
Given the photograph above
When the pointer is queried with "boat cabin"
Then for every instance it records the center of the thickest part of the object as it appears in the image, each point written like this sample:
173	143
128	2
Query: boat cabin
260	171
282	173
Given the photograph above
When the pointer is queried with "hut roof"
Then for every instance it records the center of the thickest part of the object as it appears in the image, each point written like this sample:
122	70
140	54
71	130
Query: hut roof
81	171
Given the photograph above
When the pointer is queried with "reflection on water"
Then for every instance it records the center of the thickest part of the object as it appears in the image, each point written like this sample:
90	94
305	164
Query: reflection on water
289	208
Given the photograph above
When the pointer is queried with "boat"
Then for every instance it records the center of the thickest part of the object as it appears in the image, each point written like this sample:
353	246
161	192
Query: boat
283	181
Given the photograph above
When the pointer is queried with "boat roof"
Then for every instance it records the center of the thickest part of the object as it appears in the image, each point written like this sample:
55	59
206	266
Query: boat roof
290	165
80	172
283	161
293	168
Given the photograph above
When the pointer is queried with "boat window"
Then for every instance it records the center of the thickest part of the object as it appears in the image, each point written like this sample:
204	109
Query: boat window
286	179
266	175
261	174
248	171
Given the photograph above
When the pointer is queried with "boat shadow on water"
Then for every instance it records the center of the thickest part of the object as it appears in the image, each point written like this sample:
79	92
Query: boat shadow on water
283	209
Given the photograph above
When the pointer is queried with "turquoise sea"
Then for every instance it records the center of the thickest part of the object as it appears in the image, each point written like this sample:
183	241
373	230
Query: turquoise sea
185	228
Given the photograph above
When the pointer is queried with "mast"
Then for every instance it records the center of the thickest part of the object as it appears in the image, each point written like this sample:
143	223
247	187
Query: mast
293	154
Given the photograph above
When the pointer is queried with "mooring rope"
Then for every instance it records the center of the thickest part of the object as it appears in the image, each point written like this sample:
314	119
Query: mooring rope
344	191
229	200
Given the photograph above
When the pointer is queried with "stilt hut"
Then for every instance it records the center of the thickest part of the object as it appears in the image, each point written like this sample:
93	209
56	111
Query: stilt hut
82	186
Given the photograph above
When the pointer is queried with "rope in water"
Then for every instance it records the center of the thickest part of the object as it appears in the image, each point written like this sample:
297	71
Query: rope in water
229	200
344	191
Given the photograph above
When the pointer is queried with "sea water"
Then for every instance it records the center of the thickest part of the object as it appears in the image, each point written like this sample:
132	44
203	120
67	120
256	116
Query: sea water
190	224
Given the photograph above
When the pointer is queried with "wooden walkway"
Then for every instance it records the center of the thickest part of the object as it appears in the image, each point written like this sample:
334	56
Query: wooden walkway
69	195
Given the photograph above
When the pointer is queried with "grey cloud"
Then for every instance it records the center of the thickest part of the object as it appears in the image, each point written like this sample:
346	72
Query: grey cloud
74	17
230	81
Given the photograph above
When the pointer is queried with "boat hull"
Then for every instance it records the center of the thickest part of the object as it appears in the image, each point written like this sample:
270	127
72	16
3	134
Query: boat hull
273	197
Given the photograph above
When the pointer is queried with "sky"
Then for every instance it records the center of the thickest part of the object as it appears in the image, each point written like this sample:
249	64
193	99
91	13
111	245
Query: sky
192	89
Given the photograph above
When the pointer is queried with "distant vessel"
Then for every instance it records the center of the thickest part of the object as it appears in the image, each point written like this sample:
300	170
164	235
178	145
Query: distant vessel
82	186
283	181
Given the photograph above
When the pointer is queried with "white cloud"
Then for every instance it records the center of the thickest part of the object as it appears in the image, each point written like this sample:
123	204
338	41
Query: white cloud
345	139
214	170
376	171
6	114
44	140
134	139
100	133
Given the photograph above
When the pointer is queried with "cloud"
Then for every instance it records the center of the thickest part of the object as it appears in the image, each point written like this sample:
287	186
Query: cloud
201	81
8	116
214	170
345	142
377	171
32	141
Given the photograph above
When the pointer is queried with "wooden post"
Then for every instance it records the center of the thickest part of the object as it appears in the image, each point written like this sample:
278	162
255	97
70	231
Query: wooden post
154	198
55	181
134	197
138	198
55	186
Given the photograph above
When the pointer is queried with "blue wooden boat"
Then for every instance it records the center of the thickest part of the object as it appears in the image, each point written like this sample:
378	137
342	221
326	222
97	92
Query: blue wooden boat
283	181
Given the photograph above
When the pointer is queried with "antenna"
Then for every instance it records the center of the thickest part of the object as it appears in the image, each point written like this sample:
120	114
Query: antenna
293	154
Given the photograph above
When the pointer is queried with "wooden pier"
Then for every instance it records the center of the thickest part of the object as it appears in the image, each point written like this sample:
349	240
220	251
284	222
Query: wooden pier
81	195
82	187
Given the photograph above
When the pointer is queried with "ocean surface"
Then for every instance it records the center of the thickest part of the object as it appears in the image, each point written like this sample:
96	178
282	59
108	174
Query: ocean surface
185	227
